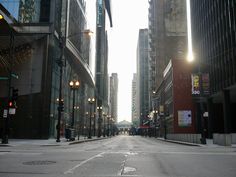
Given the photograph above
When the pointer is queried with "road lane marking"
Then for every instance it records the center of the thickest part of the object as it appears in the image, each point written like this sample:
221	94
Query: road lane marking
71	171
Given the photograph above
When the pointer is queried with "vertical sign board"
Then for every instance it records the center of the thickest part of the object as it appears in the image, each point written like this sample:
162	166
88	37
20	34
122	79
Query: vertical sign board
195	78
200	84
99	12
205	84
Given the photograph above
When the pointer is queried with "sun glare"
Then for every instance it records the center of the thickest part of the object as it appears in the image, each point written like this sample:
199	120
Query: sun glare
190	56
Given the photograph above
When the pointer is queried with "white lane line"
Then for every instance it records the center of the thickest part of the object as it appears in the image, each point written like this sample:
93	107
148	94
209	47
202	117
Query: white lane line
71	171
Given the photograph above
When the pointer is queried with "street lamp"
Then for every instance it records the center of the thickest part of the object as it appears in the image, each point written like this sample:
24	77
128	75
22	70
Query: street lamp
99	108
74	85
78	122
109	121
155	112
61	63
85	125
91	102
108	125
104	124
112	126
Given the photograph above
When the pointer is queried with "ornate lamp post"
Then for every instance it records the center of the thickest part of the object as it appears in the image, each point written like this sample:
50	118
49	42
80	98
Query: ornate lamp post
104	124
155	112
108	126
91	102
78	123
74	85
99	108
112	127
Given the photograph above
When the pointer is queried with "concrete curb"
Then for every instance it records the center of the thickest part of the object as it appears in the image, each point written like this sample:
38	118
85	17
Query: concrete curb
49	142
179	142
86	140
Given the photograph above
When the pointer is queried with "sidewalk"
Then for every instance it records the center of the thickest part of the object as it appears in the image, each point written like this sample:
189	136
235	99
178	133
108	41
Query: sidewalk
208	144
48	142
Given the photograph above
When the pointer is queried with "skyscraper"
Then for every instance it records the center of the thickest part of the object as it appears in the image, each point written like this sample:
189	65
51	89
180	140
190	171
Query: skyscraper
143	75
167	38
134	116
114	96
214	42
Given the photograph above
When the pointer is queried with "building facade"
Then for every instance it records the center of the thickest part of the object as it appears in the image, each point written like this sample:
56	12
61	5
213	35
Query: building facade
49	43
135	115
167	39
114	96
143	75
179	107
214	42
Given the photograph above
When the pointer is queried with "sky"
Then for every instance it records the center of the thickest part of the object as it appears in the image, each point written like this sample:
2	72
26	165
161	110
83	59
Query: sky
128	17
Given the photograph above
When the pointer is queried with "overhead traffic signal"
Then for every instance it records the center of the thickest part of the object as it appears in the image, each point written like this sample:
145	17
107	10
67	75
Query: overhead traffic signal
10	104
14	94
61	106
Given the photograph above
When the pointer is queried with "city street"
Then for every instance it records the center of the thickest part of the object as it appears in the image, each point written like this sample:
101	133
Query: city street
118	156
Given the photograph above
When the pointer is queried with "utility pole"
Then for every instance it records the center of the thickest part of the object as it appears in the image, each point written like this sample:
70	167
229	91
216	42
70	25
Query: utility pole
11	59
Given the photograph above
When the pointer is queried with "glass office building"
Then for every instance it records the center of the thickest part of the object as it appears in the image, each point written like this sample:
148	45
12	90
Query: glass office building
38	27
214	43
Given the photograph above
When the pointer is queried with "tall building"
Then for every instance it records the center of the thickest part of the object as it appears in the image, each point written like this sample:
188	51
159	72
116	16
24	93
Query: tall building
167	39
45	43
214	42
101	70
143	75
135	115
114	96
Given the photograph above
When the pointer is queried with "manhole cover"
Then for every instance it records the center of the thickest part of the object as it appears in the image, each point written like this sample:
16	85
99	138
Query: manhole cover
39	162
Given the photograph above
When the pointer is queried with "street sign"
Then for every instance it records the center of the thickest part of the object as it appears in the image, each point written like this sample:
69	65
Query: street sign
12	111
3	78
14	75
205	114
5	113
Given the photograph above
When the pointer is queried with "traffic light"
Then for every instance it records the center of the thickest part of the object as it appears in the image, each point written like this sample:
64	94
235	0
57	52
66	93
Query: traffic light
14	94
10	104
62	105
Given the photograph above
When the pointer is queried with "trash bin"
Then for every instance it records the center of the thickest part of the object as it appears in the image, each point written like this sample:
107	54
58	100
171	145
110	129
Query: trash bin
70	134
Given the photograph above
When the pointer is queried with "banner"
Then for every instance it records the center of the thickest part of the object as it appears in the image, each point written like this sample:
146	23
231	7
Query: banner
205	84
195	84
200	84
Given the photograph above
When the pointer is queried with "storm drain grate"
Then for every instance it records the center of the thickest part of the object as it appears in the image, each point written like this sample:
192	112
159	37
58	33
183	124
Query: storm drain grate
39	162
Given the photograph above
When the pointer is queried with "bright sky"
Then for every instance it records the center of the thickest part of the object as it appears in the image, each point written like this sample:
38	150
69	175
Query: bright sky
128	17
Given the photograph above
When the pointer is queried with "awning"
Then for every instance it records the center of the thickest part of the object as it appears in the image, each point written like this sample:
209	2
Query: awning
144	126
